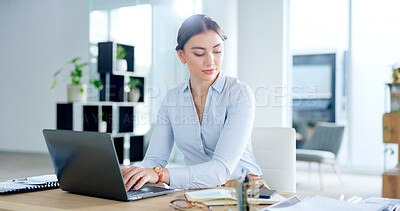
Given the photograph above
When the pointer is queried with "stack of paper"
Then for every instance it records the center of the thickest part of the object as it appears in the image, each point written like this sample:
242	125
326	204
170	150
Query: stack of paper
317	203
226	197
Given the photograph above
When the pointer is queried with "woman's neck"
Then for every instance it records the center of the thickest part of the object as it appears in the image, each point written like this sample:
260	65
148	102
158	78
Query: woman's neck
199	87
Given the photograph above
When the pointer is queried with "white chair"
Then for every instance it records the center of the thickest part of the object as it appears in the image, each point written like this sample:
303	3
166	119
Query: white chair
275	151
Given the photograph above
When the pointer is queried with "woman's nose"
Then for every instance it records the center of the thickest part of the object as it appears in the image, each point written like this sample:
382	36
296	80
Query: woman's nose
209	59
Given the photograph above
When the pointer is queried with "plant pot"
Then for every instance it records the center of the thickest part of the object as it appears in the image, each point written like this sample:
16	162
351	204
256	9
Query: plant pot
103	126
394	98
77	93
122	65
134	95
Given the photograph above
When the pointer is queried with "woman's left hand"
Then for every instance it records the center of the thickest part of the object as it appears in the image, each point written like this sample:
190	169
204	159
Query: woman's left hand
138	176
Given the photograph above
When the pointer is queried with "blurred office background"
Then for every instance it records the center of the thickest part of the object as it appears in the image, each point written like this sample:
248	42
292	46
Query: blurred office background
306	60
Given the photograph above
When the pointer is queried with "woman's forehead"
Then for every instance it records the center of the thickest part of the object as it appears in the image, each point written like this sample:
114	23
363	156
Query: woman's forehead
205	40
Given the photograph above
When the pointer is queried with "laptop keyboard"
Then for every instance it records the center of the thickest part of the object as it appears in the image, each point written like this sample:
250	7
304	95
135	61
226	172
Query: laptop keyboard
145	191
136	192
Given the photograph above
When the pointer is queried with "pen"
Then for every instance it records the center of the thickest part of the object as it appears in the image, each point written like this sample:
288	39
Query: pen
27	181
352	198
19	180
356	200
390	207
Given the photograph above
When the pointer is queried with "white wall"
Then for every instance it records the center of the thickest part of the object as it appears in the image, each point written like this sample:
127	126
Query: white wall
263	58
225	13
37	38
374	48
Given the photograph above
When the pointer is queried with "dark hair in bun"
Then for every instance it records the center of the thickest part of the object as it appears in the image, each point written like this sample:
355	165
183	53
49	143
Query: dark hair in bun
197	24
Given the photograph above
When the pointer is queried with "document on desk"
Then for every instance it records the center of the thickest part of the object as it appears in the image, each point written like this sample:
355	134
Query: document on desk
226	197
387	204
29	184
317	203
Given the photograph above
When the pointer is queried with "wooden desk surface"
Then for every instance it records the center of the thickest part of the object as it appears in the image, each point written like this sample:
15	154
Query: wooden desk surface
57	199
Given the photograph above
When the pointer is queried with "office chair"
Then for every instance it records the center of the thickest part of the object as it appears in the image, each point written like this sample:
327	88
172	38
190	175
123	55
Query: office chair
322	147
274	150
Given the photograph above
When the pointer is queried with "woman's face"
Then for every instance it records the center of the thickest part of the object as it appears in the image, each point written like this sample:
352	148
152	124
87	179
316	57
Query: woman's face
203	53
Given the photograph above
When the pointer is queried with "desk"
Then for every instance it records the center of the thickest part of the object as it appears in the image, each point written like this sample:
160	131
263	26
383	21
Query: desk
57	199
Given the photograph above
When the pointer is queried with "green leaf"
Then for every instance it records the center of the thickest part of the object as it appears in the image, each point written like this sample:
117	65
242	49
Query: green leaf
75	80
53	85
120	52
57	72
97	84
82	65
81	90
75	60
134	82
79	73
75	74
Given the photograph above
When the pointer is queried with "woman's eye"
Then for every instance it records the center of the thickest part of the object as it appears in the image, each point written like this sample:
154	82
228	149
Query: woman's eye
218	52
197	54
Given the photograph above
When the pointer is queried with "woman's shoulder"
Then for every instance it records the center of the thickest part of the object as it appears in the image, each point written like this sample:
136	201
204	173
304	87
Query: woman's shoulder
238	93
177	89
174	94
234	85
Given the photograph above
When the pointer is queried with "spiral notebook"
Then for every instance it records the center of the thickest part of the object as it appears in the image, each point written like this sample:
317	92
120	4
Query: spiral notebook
29	184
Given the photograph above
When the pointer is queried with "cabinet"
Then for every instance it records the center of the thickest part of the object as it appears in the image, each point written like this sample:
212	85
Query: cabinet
120	117
391	134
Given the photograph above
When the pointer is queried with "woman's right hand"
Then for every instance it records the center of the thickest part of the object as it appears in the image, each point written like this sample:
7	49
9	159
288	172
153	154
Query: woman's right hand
138	176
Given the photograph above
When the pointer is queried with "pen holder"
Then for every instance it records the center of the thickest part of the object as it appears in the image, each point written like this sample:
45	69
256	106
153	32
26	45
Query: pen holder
246	194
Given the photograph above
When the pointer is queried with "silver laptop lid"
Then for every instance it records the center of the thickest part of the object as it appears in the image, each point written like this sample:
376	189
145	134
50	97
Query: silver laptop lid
86	163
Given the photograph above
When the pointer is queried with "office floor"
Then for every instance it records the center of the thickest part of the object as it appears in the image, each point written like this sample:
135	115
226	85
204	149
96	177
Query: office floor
16	165
354	184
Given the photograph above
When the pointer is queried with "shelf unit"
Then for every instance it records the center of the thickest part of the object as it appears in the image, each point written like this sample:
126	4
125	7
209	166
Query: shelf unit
115	81
121	117
127	131
391	135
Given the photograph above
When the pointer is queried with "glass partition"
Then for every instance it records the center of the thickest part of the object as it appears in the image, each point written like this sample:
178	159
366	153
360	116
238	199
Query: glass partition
151	28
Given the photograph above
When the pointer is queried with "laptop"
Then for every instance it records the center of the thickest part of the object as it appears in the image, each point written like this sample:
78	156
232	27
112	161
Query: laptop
86	163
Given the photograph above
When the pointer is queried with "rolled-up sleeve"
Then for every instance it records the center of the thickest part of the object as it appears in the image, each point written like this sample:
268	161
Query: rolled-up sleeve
231	144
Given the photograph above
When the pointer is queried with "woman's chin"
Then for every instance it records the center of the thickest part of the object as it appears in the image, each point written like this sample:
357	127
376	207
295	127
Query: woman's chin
210	77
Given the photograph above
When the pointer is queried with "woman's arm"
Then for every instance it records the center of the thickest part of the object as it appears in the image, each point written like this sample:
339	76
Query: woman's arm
157	154
232	142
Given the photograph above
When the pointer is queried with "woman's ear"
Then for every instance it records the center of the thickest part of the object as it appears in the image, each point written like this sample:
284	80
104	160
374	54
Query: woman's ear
181	56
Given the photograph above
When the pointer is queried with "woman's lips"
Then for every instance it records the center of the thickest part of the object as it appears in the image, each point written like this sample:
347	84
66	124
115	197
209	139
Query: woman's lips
209	72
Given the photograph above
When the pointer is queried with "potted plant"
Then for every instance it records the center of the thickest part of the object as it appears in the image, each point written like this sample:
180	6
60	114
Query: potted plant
395	90
122	64
77	91
396	74
102	123
133	89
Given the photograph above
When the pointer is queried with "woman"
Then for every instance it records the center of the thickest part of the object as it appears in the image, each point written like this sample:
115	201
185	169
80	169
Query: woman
209	117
